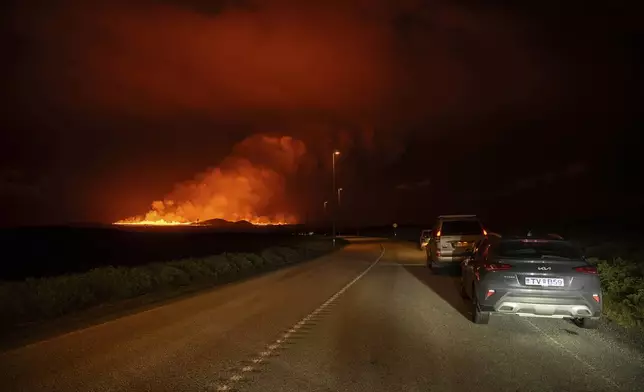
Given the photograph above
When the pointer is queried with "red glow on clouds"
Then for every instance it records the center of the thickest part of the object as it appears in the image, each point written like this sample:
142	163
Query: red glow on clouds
246	186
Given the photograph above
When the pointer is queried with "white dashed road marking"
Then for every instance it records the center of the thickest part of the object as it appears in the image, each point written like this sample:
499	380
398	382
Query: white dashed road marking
271	348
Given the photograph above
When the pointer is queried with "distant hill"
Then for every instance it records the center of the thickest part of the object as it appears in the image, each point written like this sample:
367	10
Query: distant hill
224	224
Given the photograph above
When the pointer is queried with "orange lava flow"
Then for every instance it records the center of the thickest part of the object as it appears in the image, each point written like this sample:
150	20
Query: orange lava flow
246	187
163	222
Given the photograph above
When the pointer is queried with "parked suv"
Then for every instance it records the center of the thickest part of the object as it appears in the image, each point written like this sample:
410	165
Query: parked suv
452	240
532	276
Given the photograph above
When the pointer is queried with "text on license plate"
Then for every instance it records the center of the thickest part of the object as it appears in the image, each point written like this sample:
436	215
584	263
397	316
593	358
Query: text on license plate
557	282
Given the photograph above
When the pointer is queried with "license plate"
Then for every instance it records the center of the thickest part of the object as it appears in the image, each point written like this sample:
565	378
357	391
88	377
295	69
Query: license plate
462	244
544	282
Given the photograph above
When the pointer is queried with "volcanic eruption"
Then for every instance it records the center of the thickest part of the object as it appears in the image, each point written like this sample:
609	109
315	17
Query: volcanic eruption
248	185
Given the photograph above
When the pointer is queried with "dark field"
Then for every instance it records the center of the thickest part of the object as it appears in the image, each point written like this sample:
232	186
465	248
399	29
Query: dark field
50	251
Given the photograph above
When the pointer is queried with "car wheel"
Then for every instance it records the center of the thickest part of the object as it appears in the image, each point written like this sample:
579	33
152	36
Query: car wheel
463	292
478	317
588	323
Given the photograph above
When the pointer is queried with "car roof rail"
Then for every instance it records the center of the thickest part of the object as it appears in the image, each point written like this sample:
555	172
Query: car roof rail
457	216
534	236
553	236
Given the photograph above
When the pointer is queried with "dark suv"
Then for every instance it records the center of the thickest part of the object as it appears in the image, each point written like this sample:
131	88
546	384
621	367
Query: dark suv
531	276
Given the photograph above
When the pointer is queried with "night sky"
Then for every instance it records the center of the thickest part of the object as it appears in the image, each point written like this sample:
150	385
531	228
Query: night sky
506	109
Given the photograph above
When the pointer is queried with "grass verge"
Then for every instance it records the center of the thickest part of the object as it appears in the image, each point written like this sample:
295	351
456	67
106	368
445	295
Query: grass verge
41	299
623	291
621	270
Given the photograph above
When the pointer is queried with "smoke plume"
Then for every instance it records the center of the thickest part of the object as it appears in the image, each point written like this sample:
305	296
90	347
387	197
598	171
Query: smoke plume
248	185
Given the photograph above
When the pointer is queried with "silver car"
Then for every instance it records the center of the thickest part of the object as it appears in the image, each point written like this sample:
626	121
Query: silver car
452	240
534	277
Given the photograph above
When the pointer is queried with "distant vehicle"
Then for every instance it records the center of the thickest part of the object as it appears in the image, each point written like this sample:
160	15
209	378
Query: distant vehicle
425	235
452	240
533	276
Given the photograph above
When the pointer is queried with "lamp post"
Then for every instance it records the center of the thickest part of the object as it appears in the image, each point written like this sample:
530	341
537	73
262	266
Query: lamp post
325	204
340	206
335	153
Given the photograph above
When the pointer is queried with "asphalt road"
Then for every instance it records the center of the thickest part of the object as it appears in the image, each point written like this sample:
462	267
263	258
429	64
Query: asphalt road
368	318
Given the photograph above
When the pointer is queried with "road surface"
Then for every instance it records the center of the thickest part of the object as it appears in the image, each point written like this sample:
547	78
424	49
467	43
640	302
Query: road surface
368	318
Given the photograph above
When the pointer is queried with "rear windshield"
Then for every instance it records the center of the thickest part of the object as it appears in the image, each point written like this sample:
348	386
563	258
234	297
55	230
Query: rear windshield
461	227
537	249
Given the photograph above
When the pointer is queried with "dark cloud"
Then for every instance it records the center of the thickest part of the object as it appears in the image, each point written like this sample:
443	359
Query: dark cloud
16	184
414	186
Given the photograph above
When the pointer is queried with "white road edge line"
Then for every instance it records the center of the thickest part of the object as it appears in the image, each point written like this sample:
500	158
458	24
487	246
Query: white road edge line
589	366
268	351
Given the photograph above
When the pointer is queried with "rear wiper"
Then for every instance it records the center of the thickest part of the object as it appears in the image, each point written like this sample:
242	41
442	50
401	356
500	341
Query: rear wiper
555	257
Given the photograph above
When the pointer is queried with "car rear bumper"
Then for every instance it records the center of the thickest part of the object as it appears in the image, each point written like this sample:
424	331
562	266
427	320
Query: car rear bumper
566	305
449	259
545	310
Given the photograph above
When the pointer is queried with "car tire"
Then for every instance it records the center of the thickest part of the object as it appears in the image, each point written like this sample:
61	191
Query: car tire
478	317
588	323
463	292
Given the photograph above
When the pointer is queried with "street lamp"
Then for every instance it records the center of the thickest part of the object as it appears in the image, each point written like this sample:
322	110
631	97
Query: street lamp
339	202
335	153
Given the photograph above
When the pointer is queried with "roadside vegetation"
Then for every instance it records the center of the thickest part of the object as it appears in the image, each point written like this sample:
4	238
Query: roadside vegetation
621	270
34	300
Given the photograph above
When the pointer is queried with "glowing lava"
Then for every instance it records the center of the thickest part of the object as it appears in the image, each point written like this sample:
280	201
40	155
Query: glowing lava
163	222
160	222
249	185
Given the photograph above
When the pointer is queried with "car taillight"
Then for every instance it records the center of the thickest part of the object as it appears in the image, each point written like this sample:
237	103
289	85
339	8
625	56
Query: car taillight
496	267
587	270
484	232
596	297
438	234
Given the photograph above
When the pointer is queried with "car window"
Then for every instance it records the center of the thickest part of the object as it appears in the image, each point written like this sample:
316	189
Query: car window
461	227
530	249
